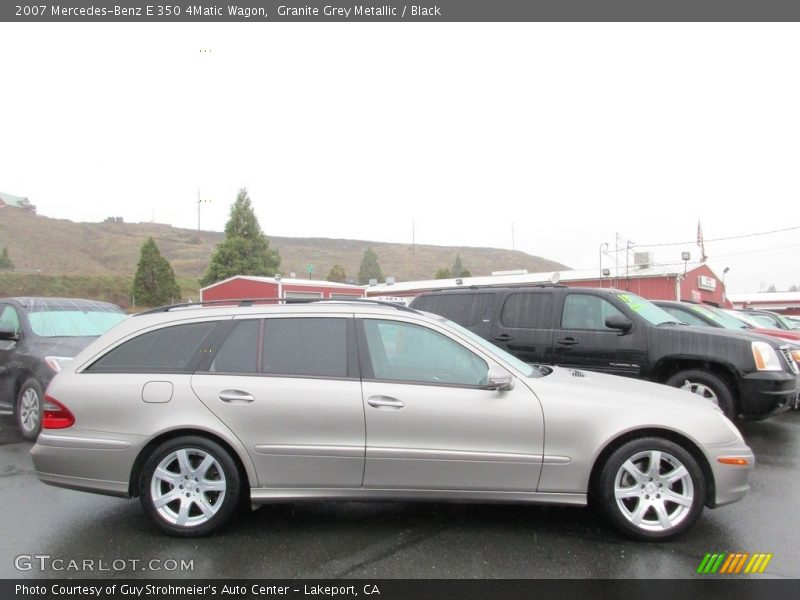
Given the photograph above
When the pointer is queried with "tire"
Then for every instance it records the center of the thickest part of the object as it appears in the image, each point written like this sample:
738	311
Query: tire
28	409
708	385
190	486
636	478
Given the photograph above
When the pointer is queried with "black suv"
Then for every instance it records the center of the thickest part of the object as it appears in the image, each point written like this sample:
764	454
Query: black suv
37	335
617	332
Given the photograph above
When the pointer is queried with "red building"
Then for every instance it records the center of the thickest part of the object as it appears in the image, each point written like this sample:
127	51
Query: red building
698	284
246	286
787	303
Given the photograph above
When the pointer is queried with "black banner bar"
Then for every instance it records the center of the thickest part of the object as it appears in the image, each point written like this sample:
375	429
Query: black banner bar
397	589
265	11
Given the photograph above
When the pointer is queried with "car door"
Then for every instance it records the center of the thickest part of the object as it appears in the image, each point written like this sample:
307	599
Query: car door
583	340
289	388
431	423
8	318
523	326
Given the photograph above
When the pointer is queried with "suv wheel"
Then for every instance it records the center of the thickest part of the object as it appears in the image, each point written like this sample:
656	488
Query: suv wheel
708	385
29	409
190	486
652	489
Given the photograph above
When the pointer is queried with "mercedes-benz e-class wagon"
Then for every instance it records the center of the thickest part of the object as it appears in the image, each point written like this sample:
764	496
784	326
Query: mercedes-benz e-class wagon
196	408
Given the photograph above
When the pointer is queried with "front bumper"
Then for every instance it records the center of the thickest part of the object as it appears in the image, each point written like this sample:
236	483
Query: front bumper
730	481
765	393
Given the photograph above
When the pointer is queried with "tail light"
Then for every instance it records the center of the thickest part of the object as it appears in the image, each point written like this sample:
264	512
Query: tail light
56	415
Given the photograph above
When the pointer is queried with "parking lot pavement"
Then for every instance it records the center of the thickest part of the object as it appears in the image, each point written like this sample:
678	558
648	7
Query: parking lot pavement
390	539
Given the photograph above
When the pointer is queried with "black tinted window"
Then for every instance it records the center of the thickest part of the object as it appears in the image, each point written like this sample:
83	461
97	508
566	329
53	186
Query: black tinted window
308	346
239	351
527	310
464	309
165	350
582	311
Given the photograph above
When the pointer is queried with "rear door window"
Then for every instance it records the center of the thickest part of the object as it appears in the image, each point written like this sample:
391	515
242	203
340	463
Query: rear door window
527	310
310	347
239	352
465	309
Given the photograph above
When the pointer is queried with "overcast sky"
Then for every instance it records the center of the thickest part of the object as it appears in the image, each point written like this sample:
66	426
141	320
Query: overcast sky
572	132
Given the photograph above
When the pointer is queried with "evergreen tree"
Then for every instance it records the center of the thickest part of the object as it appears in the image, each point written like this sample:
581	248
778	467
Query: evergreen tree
369	269
154	283
458	269
5	260
337	274
443	273
245	250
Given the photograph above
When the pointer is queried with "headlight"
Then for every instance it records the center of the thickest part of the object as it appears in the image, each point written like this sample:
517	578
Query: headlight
766	358
795	355
57	363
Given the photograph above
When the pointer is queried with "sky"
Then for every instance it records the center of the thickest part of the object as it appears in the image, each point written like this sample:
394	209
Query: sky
553	139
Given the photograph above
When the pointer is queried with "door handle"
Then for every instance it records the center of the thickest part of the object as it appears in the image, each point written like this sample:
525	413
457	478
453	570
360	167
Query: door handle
503	337
236	397
385	402
567	341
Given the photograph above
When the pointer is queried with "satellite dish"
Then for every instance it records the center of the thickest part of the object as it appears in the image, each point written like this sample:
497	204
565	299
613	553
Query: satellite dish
555	278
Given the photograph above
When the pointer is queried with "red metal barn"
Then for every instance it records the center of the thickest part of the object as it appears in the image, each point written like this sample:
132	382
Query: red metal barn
246	286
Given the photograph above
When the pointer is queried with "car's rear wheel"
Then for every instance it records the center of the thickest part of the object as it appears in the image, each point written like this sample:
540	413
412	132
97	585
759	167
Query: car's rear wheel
708	385
29	409
190	486
652	489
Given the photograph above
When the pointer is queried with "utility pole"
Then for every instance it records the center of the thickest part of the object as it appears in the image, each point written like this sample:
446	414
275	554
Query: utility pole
413	236
199	202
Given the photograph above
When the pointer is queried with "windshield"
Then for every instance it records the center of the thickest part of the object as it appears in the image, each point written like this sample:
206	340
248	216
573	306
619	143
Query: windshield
720	317
646	309
522	367
73	323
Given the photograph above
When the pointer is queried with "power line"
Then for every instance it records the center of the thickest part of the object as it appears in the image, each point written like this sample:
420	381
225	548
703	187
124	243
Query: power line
732	237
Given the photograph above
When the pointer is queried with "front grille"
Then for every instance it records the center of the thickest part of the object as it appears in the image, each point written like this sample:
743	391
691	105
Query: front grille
787	354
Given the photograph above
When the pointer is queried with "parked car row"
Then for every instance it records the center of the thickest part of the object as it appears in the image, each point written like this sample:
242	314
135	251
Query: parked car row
196	409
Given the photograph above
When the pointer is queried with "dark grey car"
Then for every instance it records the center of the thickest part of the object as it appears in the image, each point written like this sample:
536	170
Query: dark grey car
37	337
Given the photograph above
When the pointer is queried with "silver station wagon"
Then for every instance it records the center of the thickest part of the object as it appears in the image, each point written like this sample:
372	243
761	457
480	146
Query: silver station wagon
195	409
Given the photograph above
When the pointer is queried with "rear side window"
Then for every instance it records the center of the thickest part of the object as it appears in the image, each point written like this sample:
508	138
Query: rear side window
464	309
311	347
527	310
165	350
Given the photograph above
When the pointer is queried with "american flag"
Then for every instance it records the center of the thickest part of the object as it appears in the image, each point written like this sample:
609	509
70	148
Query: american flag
700	242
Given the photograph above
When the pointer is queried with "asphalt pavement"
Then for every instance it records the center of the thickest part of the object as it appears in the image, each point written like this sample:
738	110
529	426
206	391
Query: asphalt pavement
52	532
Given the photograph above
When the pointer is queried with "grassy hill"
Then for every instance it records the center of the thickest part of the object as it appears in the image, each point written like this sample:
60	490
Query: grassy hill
101	258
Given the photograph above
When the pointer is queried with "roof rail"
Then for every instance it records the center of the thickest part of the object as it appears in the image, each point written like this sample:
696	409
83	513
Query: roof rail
274	300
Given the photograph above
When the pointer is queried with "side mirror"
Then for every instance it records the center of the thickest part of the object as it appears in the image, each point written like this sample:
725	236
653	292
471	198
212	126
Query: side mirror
619	322
7	332
499	379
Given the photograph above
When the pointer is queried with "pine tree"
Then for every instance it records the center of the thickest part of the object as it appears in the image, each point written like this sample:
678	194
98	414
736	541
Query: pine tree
245	250
5	260
443	273
154	283
458	269
337	274
369	269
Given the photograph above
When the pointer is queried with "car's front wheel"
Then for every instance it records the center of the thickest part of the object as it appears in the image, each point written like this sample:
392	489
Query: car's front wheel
708	385
190	486
652	489
29	409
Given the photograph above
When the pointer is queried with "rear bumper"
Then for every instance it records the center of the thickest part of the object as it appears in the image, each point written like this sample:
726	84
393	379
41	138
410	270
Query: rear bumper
766	393
96	464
